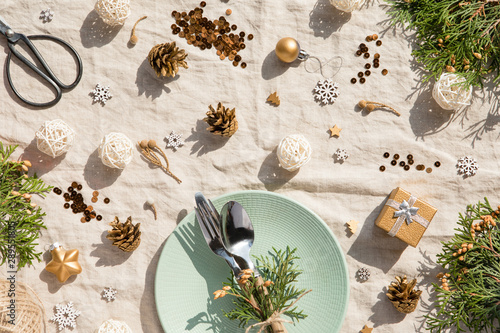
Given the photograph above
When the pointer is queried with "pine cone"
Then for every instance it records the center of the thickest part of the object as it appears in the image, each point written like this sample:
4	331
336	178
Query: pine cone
402	295
125	235
223	121
166	59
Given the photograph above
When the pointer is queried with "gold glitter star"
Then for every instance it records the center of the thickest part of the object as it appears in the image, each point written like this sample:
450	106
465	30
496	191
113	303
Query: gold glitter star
335	131
64	263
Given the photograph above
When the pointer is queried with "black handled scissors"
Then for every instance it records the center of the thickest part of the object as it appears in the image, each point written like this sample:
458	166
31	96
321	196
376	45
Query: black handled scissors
13	38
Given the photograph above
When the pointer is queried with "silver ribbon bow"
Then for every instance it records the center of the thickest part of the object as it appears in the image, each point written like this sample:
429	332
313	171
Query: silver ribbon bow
405	211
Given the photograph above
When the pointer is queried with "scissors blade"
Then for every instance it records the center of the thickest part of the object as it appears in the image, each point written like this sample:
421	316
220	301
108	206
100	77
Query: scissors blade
4	26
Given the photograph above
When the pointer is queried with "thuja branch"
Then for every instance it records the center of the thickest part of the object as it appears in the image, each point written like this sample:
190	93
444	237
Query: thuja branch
453	36
280	274
469	294
20	219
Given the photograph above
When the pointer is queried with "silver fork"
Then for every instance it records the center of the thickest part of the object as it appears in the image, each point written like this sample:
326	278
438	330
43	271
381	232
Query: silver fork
208	219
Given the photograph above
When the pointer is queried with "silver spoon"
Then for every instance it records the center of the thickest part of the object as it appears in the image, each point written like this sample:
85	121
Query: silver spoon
238	234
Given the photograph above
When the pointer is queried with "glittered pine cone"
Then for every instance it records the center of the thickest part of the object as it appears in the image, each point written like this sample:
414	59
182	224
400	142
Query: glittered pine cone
166	59
402	295
222	121
125	235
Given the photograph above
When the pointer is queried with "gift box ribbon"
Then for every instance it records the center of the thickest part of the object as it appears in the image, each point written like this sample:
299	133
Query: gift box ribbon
405	212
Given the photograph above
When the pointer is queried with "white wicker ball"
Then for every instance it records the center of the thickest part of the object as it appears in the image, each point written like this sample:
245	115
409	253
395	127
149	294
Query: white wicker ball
55	137
347	5
113	12
116	150
449	94
293	152
114	326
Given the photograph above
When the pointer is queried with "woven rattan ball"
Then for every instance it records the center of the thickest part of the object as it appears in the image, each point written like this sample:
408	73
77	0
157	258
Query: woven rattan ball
28	312
347	5
114	326
449	94
116	150
113	12
293	152
55	137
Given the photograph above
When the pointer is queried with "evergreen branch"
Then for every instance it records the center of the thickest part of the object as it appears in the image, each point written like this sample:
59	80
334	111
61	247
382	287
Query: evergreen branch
20	220
469	297
461	37
280	273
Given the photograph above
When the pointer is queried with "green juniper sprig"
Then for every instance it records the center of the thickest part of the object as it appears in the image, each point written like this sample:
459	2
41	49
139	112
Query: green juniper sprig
461	36
279	272
469	297
20	219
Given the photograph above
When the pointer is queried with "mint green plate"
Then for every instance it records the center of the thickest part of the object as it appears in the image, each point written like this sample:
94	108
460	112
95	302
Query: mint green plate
188	272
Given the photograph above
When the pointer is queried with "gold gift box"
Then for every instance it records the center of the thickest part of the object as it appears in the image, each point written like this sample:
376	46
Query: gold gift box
412	233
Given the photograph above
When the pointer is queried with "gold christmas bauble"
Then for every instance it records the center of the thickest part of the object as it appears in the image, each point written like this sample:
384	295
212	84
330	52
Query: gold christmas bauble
287	49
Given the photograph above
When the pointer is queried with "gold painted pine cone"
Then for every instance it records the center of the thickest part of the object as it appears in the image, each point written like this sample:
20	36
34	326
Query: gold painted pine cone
402	295
125	235
166	59
221	121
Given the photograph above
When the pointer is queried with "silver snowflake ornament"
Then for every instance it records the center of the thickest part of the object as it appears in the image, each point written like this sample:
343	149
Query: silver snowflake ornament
101	94
46	15
326	91
341	155
174	140
109	294
467	166
65	316
363	274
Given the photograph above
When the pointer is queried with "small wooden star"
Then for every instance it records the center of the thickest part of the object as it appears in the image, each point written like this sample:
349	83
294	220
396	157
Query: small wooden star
335	131
366	329
353	226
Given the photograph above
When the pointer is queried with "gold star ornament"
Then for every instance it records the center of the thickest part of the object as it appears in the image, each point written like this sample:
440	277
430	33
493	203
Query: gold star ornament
64	263
335	131
366	329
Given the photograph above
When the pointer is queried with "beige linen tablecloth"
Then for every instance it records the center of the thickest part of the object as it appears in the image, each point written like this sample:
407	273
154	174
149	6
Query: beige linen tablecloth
144	107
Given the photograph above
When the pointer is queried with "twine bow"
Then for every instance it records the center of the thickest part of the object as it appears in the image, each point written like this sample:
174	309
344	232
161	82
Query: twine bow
275	317
405	211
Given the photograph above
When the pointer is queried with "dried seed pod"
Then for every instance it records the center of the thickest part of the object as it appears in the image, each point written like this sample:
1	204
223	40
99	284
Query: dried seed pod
151	203
362	104
370	107
133	38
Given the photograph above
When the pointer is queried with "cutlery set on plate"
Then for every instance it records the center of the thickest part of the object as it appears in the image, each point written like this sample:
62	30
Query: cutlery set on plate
230	235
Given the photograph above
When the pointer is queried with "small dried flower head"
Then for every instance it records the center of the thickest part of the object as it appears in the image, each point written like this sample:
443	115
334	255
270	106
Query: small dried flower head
28	211
15	193
493	223
477	55
440	41
143	144
445	285
247	271
454	254
447	275
461	258
226	288
26	196
25	168
245	276
268	283
370	107
219	293
33	204
440	275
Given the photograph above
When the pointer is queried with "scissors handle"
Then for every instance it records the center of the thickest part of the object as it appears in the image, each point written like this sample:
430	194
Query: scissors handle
50	77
